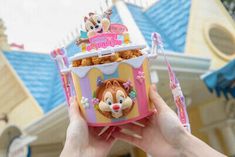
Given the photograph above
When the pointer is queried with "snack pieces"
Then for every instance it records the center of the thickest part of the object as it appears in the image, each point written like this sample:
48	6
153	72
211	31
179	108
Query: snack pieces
130	54
96	60
136	53
117	57
127	54
110	59
76	63
86	62
105	60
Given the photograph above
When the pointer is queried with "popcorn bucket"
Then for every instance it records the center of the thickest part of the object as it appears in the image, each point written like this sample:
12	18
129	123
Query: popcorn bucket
113	93
108	93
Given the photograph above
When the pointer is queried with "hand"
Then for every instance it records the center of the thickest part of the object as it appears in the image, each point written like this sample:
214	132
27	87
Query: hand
162	132
163	135
84	142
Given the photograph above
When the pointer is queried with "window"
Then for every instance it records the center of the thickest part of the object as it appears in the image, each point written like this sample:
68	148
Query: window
221	41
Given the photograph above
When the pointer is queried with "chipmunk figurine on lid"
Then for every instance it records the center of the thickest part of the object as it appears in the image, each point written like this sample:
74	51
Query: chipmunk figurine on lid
96	24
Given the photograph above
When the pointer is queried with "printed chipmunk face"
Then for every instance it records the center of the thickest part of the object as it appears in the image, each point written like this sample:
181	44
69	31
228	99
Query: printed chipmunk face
93	23
96	24
115	99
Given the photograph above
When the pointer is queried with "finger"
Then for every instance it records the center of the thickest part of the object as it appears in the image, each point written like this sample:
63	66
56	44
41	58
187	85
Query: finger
111	139
138	124
127	138
74	113
110	134
103	130
157	100
99	130
107	134
143	122
133	128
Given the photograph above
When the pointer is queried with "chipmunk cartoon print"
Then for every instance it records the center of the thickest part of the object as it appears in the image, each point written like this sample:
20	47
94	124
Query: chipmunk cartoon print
114	99
95	23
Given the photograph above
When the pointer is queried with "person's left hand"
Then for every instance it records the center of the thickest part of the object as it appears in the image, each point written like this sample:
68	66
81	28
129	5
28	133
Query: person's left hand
83	141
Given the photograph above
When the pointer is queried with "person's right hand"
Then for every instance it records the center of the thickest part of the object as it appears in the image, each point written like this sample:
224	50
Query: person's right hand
163	134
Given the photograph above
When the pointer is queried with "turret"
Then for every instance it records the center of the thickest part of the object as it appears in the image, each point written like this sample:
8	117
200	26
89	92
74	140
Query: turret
3	37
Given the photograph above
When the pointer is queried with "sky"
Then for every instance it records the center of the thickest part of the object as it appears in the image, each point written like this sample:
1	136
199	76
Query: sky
42	25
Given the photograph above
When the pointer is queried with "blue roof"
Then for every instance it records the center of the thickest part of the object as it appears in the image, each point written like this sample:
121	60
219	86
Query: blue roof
169	18
115	18
72	48
222	80
40	76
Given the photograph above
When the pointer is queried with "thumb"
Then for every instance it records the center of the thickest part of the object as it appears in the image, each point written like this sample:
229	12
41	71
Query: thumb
74	113
157	100
128	138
